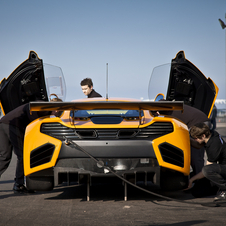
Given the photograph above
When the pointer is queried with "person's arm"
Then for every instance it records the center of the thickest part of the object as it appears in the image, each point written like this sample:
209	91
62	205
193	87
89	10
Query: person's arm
195	144
194	178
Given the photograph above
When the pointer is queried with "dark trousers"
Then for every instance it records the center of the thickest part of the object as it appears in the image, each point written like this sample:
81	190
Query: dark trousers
197	159
216	173
203	188
11	138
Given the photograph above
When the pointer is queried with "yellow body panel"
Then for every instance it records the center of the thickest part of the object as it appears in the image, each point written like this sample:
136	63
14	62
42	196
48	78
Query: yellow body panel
179	138
38	139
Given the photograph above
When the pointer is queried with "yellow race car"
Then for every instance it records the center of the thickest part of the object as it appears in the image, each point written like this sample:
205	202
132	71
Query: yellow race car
96	139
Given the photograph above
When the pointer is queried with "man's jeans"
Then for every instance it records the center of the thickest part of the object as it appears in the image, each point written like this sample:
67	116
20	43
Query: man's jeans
216	173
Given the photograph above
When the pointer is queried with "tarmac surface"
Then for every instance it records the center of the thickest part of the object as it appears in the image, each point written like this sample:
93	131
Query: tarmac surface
67	206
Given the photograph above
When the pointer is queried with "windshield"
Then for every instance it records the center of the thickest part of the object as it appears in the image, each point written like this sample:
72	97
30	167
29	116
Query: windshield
55	83
159	81
107	112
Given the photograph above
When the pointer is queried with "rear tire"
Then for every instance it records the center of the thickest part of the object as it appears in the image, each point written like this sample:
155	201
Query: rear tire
40	183
173	181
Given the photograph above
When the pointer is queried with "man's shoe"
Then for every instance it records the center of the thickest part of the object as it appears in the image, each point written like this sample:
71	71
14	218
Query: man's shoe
20	189
221	197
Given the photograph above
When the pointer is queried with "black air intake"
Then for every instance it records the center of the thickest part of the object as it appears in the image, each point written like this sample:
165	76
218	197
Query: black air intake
61	132
157	128
172	154
41	155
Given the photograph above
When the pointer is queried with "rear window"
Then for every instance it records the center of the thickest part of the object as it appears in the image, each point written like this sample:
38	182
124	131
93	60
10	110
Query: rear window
103	112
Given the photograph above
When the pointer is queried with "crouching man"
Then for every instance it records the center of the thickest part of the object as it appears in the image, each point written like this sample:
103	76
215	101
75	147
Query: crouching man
215	170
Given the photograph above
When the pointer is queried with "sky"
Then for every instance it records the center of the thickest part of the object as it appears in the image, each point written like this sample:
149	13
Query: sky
132	36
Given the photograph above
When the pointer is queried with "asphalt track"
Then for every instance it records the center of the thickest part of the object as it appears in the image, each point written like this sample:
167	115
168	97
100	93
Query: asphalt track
67	206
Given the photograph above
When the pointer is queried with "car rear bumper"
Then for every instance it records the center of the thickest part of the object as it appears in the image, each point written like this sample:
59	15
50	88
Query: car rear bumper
145	171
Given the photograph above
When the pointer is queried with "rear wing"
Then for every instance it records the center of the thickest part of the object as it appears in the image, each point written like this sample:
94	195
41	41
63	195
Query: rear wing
133	105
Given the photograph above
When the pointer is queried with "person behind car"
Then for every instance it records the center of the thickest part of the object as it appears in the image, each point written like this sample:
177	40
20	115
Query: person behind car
87	88
12	130
215	170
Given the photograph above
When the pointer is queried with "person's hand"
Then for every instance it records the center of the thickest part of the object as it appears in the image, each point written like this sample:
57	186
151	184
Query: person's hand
155	113
194	178
189	185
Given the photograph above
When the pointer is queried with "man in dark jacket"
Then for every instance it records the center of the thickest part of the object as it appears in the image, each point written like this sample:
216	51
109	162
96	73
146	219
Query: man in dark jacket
87	88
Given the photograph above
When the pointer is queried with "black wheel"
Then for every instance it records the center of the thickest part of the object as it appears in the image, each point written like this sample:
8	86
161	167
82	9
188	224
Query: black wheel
173	181
44	183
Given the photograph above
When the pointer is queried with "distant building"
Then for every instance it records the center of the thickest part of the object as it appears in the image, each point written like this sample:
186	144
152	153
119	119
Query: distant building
220	103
